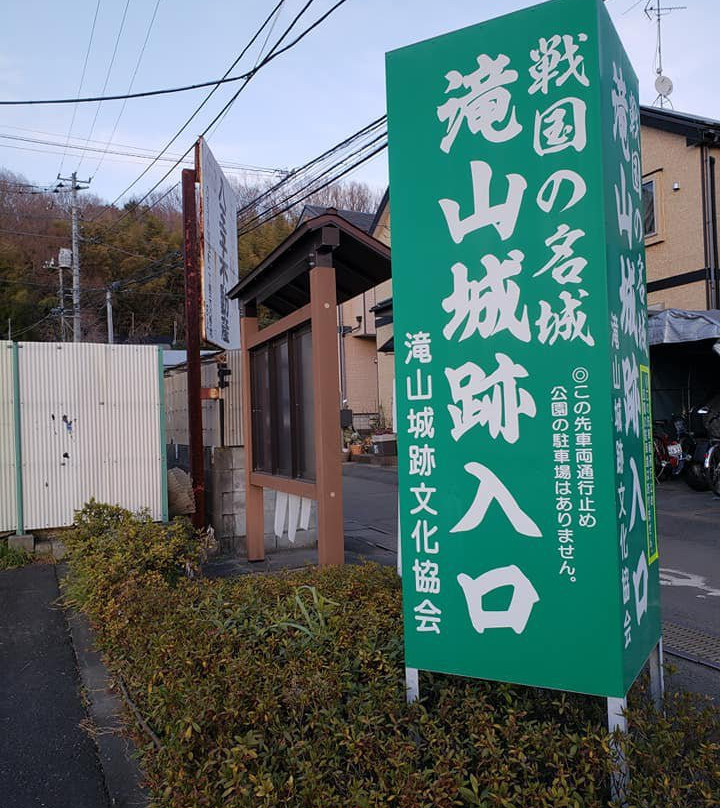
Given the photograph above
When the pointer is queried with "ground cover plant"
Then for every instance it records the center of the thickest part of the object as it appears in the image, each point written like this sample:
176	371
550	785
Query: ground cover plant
11	557
288	690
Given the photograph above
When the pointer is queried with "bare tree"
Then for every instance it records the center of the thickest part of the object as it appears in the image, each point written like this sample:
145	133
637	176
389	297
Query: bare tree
357	196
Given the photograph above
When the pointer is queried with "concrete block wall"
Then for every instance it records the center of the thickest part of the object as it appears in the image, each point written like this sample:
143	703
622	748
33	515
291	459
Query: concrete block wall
225	498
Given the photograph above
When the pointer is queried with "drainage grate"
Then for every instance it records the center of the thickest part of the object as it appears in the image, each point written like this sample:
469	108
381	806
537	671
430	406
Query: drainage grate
702	647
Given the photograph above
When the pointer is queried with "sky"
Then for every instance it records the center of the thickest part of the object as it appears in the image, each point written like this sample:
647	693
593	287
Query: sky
305	101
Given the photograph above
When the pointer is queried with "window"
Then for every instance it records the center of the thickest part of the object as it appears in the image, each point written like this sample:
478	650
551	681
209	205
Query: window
649	208
283	430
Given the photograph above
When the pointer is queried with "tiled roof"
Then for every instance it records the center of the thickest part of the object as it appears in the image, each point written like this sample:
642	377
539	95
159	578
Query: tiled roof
363	221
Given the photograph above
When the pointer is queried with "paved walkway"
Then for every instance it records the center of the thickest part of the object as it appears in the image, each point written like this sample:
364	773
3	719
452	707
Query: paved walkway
46	757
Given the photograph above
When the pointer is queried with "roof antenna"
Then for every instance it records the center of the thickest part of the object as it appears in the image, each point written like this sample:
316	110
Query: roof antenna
663	84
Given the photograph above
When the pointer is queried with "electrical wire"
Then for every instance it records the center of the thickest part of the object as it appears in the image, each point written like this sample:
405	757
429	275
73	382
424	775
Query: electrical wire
34	325
274	53
34	235
95	242
82	79
27	191
315	190
276	17
130	86
252	205
373	125
30	284
197	110
138	151
150	93
237	167
107	76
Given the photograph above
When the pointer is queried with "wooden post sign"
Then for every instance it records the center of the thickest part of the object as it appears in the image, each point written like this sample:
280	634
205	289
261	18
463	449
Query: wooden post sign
529	548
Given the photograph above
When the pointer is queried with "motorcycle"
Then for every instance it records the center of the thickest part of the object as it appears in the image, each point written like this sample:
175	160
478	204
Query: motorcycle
703	468
711	464
669	453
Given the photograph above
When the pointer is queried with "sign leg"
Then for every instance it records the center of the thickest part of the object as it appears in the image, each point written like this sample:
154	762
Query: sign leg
399	543
619	778
412	685
657	678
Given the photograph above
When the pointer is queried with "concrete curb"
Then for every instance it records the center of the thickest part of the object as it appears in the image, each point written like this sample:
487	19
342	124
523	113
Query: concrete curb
116	751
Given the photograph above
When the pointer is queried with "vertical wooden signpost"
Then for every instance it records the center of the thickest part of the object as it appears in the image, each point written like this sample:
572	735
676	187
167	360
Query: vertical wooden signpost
211	269
529	549
192	344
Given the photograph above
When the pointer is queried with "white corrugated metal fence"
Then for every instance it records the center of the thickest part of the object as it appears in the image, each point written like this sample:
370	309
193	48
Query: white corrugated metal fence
8	504
91	425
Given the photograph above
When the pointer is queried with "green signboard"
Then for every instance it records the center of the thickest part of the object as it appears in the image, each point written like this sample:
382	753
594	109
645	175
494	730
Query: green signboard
529	550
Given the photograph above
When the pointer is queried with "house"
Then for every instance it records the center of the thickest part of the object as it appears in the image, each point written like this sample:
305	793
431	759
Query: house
680	195
680	192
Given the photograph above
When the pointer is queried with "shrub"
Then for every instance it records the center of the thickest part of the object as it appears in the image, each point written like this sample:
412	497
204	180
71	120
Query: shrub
11	557
288	690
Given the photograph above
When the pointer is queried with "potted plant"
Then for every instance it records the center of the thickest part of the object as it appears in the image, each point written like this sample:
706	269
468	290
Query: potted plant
352	442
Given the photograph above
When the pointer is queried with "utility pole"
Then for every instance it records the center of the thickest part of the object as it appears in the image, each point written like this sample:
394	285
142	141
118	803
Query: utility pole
74	188
62	304
108	308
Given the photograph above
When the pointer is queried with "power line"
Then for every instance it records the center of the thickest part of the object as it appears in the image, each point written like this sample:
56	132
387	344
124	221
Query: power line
197	110
107	76
274	53
82	79
150	93
276	17
35	325
13	282
34	235
148	155
228	166
366	130
311	186
130	86
96	242
315	190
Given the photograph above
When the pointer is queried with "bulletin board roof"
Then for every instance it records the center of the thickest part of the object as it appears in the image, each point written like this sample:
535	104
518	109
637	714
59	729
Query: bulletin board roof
281	282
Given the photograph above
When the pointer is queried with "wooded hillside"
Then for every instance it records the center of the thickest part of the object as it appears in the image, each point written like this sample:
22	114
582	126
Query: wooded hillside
136	251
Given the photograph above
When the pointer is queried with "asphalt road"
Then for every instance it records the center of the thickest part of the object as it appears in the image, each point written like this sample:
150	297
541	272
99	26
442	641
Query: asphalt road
47	758
689	535
689	539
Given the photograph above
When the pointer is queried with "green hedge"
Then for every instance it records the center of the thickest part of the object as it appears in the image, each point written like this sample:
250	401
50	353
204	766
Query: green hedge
288	690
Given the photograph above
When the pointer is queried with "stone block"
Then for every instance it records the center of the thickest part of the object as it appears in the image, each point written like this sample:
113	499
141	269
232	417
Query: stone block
238	458
227	526
223	481
26	542
222	459
227	503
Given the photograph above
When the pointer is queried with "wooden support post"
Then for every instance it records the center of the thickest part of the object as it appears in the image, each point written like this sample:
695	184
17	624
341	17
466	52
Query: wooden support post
192	345
326	388
254	506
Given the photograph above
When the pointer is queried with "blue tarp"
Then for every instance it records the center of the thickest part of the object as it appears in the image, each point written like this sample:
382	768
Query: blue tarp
679	325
